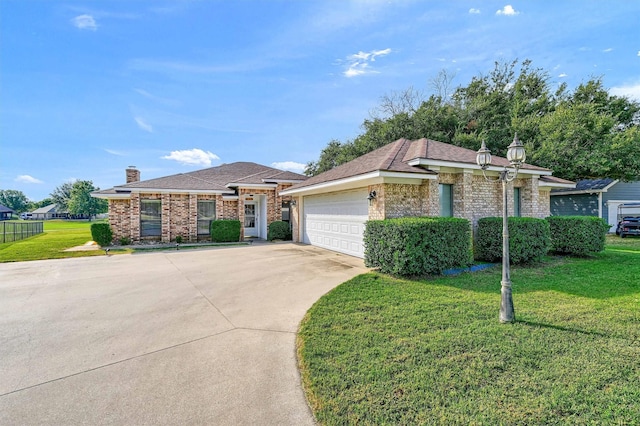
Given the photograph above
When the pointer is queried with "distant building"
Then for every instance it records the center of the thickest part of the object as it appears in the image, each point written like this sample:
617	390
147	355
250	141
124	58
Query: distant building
5	212
595	197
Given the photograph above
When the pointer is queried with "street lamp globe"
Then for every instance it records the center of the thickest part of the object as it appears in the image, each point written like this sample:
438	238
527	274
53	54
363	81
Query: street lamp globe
515	152
483	157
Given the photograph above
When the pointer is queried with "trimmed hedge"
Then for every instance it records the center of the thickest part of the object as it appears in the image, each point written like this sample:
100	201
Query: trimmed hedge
279	230
529	239
417	246
101	234
577	235
225	231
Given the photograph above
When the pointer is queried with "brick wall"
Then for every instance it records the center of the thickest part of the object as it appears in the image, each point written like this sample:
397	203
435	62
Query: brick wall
180	213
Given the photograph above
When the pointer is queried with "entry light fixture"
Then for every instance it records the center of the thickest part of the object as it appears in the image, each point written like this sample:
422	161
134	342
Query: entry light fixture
294	203
372	196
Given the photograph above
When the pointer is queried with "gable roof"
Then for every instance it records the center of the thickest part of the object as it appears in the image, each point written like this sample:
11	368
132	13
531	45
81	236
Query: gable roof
411	158
220	179
4	209
588	186
51	208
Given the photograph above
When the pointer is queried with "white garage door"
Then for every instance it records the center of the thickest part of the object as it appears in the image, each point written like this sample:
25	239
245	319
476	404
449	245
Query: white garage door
336	221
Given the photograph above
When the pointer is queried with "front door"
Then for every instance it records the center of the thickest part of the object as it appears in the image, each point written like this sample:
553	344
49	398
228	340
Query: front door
250	219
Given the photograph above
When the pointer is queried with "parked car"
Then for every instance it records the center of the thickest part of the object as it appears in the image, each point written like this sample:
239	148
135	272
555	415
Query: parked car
628	219
25	216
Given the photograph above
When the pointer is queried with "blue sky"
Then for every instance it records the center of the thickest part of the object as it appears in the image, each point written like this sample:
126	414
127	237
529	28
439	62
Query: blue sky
88	88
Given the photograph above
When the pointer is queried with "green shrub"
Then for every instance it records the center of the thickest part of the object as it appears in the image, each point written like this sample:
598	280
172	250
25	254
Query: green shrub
125	241
225	231
101	234
417	246
179	239
529	239
279	231
577	235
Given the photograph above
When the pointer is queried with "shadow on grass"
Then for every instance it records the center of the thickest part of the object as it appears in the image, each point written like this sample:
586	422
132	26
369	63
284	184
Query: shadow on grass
613	273
561	328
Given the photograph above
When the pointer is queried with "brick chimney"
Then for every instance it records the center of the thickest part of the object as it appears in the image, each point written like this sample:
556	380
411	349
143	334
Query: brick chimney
133	174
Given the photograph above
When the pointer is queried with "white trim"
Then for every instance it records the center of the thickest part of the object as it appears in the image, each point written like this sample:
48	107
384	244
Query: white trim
353	182
588	191
252	185
112	196
177	191
453	164
608	187
556	185
230	198
284	180
600	205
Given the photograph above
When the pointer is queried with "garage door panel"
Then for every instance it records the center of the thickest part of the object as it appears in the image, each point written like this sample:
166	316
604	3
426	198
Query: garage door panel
336	221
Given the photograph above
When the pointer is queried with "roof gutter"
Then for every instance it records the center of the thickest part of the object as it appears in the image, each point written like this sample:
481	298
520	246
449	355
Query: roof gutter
353	181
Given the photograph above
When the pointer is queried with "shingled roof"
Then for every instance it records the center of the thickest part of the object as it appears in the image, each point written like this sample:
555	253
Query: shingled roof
587	186
216	179
397	156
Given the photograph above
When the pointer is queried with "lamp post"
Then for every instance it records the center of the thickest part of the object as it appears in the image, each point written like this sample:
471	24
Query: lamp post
516	156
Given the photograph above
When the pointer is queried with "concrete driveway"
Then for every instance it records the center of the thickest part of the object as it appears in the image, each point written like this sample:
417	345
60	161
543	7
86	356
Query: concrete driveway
176	337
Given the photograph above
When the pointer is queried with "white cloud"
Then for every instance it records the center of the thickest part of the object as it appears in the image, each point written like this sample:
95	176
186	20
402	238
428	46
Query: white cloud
85	22
607	50
27	179
562	75
508	10
195	157
143	124
358	63
638	52
474	11
631	91
291	166
114	152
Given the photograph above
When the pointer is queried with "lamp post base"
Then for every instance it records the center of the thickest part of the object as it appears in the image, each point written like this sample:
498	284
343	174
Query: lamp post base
507	313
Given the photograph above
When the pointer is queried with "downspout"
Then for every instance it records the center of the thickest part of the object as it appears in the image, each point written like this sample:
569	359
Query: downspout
600	205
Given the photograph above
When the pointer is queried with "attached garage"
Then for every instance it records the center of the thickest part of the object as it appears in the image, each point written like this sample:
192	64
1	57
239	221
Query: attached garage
336	221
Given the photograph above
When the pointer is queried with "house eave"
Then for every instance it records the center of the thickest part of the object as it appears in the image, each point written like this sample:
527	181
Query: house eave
426	163
252	185
294	181
371	178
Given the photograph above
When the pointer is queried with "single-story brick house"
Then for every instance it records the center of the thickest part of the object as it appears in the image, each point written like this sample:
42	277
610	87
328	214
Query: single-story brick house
184	204
596	197
410	178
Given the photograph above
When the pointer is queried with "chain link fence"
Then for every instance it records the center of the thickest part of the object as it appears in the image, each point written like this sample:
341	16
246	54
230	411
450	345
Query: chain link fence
16	231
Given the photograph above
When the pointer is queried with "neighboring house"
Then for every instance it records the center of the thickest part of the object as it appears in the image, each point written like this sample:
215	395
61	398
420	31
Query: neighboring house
48	212
595	197
5	212
185	204
410	178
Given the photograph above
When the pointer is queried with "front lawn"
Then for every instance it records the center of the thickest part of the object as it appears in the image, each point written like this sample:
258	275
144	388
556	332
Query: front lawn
379	350
58	236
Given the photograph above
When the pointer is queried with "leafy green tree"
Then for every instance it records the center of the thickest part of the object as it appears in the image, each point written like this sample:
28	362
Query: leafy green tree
37	204
582	134
15	200
61	196
82	203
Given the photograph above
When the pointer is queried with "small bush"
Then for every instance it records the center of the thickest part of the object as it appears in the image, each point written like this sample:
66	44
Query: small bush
529	239
225	231
279	231
179	239
417	246
125	241
577	235
101	234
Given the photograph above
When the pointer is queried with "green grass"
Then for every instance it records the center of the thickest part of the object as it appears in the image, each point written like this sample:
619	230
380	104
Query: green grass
58	235
380	350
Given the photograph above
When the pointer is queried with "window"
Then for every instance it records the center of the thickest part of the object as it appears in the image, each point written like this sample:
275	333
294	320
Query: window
150	218
446	200
206	214
286	211
517	202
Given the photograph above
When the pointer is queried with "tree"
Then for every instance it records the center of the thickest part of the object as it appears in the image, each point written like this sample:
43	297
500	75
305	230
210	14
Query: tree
15	200
582	134
37	204
61	196
82	203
